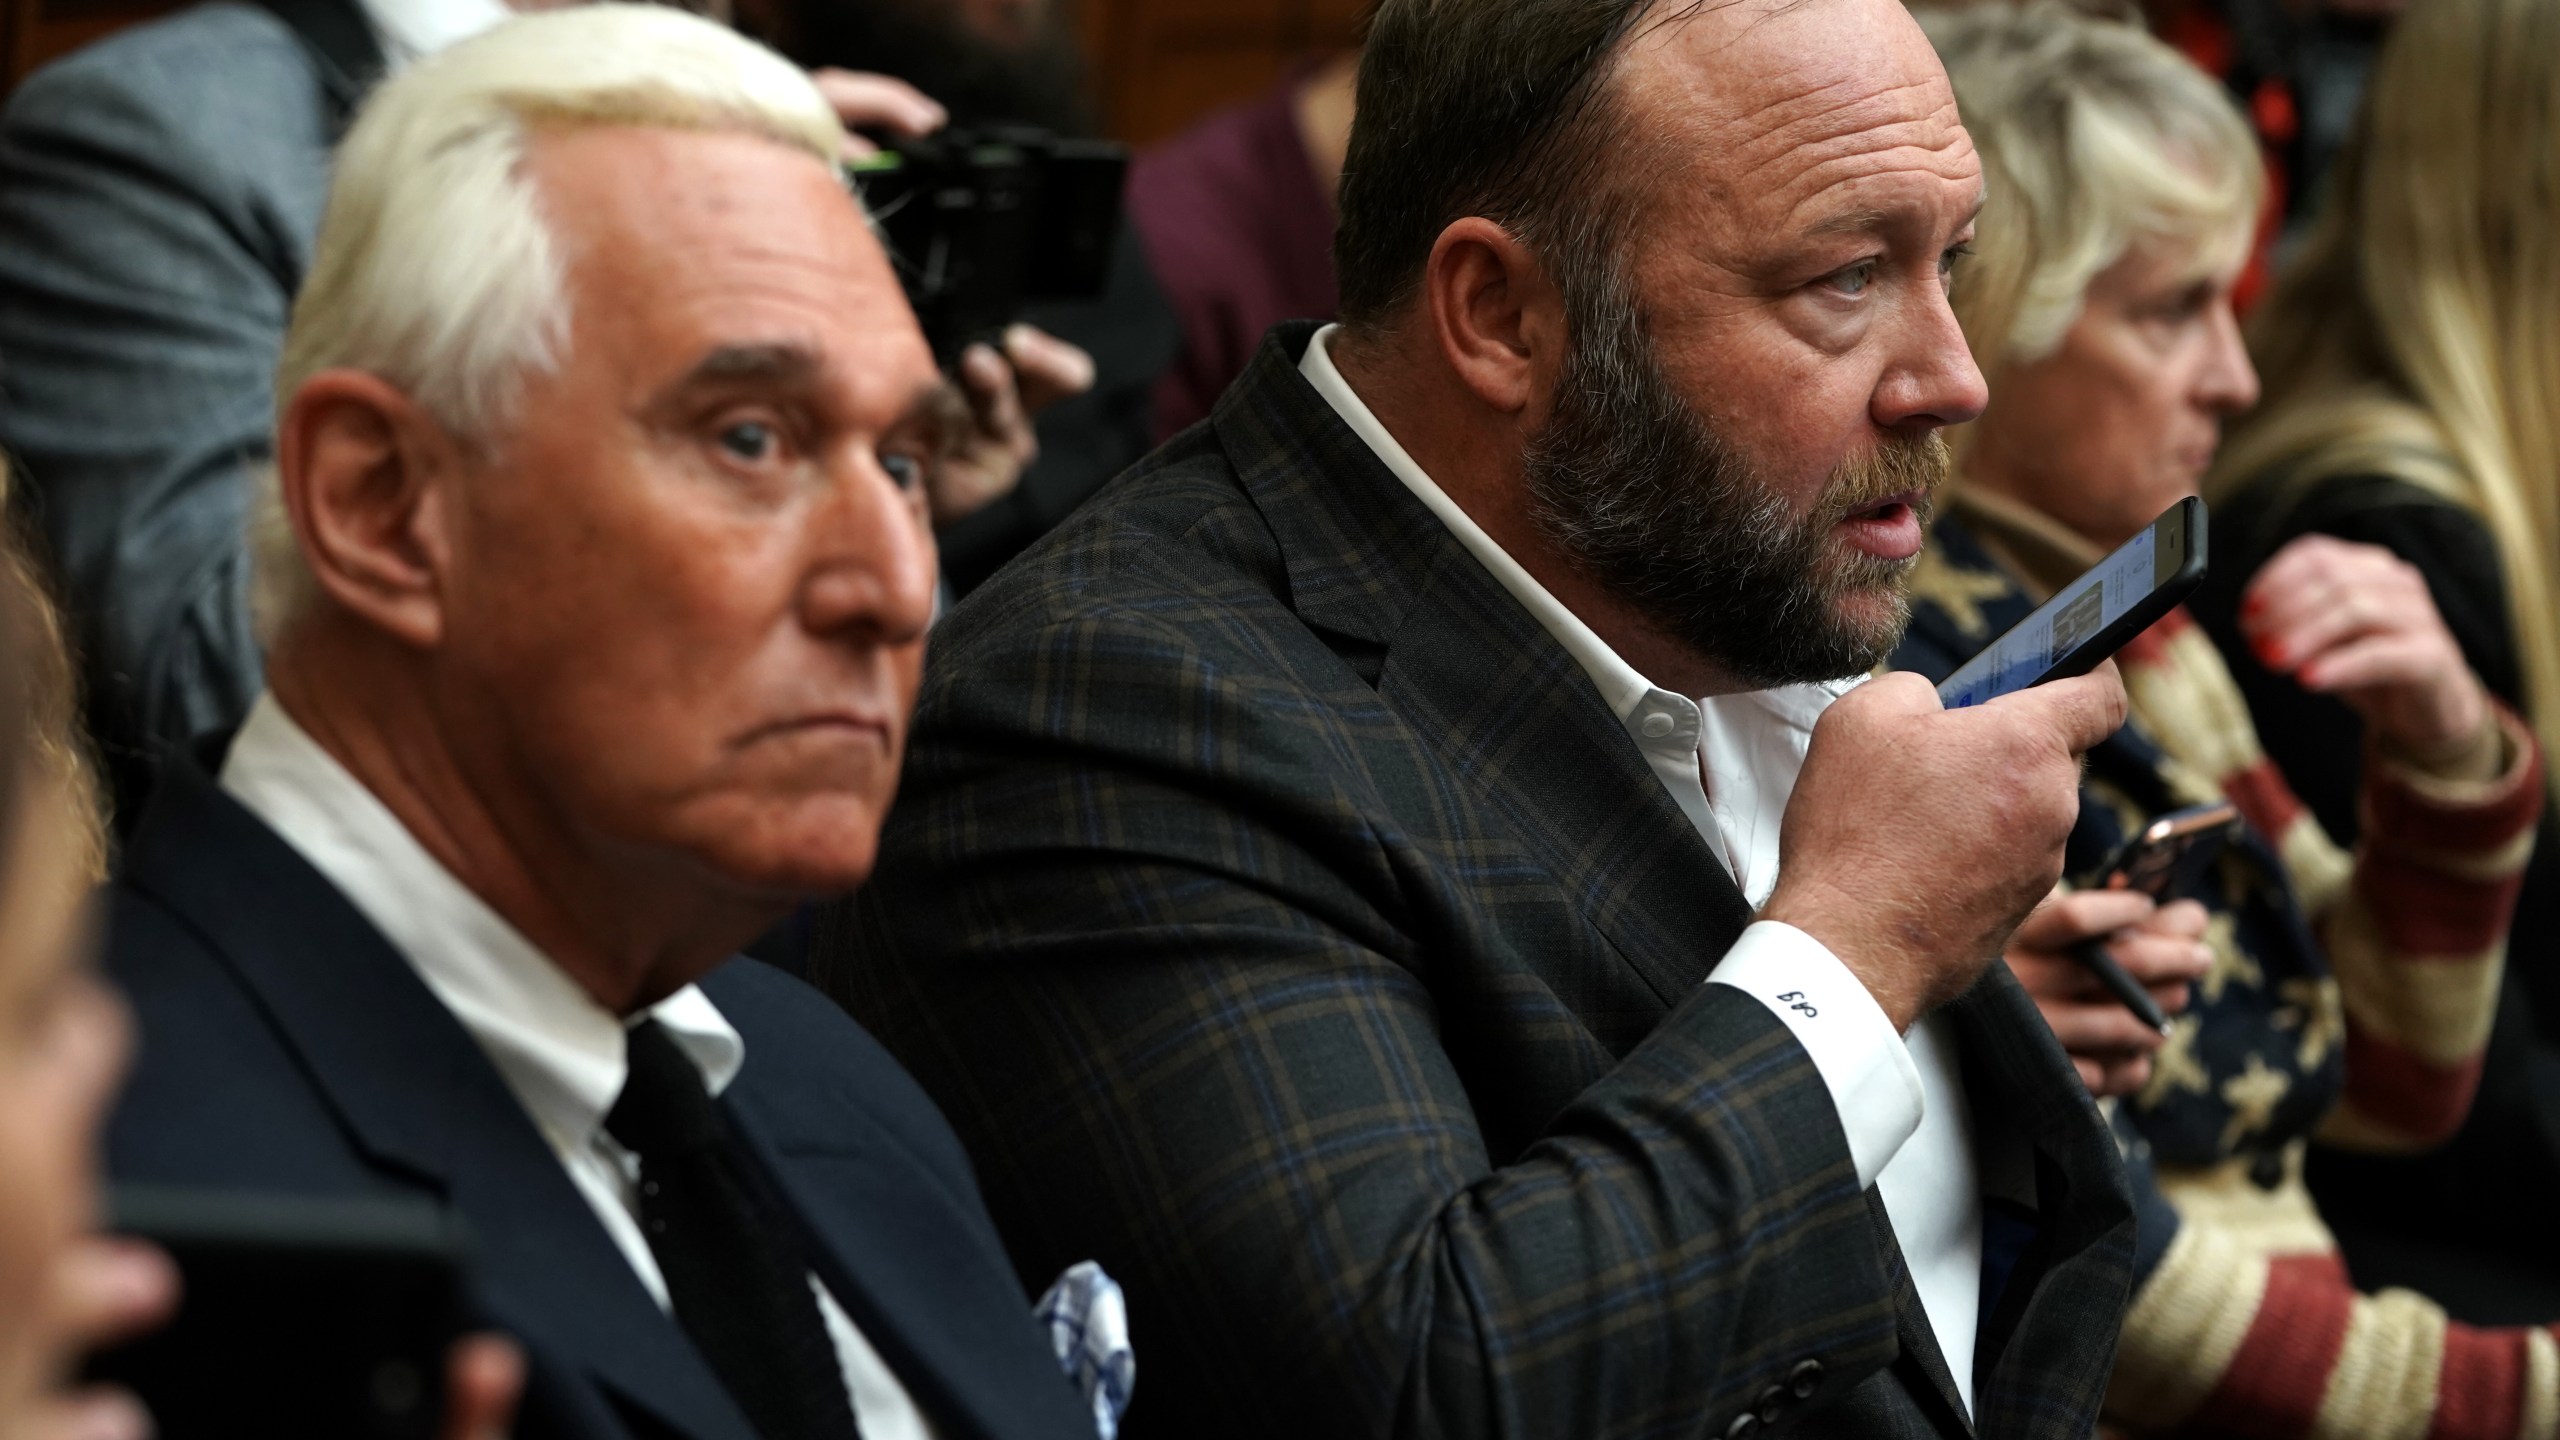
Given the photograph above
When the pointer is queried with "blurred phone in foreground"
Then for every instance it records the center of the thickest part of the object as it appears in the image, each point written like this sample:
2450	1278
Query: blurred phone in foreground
2091	618
297	1316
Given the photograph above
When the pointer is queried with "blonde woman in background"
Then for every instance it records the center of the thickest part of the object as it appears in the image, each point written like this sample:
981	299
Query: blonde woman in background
2123	194
63	1039
2412	364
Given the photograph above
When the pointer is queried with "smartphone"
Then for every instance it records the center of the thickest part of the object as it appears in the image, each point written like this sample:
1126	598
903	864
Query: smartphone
297	1315
2092	617
2169	854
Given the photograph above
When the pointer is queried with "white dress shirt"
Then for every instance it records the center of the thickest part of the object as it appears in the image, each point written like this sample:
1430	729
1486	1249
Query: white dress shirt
1901	1100
558	1050
414	29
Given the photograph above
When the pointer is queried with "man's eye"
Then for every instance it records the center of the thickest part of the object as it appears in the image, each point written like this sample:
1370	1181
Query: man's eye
1854	280
907	470
749	440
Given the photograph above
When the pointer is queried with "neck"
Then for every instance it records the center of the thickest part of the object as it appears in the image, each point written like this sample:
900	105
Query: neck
1474	455
630	927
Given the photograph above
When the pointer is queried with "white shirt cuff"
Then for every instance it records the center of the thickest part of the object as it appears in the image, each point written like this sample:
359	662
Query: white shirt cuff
1860	1056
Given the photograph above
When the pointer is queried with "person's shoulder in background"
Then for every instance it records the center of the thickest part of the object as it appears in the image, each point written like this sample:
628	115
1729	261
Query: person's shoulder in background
1240	234
218	89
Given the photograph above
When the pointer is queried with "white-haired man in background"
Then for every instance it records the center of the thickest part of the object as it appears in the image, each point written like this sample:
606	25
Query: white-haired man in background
596	579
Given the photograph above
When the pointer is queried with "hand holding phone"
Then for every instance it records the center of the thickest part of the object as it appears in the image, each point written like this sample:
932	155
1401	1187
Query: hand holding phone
298	1315
2166	857
2091	618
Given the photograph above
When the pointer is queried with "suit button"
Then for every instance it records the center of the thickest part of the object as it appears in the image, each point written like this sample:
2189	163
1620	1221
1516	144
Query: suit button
1805	1378
1773	1402
1744	1426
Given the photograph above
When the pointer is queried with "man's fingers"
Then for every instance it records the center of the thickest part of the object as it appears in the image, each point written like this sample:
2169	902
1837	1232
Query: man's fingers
2084	710
484	1377
110	1289
1049	369
864	101
994	401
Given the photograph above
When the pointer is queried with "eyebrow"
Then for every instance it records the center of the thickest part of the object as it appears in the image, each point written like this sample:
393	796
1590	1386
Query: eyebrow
781	365
1859	222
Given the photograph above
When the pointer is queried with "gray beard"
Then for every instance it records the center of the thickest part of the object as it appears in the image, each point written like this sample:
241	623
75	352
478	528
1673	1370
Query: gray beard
1644	496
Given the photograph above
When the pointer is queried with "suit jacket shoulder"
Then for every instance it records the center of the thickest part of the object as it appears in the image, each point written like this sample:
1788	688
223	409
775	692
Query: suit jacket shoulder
286	1047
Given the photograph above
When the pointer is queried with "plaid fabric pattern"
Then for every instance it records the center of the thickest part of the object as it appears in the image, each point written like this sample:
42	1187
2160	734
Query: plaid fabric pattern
1285	923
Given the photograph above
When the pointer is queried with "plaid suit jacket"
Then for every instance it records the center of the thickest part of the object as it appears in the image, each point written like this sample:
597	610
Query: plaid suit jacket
1283	920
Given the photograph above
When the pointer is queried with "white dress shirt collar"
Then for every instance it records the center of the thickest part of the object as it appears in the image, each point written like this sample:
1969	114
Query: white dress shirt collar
1752	741
411	30
560	1051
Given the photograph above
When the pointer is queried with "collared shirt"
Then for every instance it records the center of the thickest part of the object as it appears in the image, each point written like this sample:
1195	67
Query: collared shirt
557	1049
1730	763
411	30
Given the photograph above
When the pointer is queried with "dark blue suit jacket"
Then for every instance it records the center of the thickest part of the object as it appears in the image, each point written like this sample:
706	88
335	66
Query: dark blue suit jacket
286	1046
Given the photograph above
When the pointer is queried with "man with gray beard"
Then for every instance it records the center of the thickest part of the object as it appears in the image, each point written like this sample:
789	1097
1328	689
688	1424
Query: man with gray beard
1411	880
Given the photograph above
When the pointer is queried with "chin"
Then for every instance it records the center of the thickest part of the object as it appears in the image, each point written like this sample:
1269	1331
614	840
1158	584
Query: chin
804	852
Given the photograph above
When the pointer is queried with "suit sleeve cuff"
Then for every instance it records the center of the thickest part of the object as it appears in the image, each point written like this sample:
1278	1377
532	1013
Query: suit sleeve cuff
1860	1056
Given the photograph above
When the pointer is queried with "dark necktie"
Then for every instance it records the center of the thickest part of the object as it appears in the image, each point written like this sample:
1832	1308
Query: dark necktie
729	1250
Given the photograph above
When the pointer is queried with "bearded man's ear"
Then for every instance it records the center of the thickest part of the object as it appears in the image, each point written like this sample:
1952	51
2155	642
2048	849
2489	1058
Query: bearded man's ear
1498	318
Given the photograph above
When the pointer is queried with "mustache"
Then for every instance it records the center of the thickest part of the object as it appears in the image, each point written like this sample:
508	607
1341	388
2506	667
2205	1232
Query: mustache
1900	465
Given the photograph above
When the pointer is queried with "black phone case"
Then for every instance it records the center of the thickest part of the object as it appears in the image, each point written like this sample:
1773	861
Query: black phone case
299	1316
2146	612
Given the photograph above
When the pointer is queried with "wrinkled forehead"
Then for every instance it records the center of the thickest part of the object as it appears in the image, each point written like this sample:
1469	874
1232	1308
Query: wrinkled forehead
673	243
1773	102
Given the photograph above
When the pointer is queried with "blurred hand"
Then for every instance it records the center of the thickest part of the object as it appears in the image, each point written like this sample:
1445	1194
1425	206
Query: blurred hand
2357	622
105	1290
1004	391
2160	946
865	101
1919	837
484	1377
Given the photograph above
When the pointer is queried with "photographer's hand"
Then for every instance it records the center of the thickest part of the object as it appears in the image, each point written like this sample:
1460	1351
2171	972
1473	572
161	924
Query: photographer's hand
877	102
1035	371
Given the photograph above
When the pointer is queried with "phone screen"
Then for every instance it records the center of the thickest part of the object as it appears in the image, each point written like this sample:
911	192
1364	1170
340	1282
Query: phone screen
2088	605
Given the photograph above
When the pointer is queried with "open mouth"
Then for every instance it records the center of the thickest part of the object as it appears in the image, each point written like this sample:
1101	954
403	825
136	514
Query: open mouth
1888	528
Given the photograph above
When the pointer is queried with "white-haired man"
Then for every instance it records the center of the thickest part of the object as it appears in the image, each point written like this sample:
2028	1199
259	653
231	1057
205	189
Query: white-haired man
596	585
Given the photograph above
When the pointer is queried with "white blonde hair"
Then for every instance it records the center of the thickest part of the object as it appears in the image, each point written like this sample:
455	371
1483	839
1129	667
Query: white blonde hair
2094	138
435	269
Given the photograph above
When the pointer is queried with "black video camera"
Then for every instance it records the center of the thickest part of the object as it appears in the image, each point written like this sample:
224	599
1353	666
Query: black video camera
982	222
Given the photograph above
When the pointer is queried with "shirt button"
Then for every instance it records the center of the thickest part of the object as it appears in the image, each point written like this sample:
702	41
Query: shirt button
1657	725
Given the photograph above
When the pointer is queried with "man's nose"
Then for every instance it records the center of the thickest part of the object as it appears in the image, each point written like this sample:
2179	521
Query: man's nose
1932	381
873	565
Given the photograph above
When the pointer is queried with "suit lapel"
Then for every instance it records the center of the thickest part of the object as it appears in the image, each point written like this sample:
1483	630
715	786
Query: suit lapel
867	1240
419	1098
1920	1356
1469	669
2022	1085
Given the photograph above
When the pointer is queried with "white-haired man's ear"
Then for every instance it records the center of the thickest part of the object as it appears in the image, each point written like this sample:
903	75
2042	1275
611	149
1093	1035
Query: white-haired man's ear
366	476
